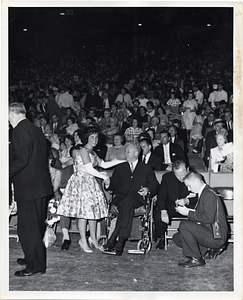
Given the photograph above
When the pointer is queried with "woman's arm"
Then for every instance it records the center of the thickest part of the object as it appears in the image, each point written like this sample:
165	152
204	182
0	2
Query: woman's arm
88	165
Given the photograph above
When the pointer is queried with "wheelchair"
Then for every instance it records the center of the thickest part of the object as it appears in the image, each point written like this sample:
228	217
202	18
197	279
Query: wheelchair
145	214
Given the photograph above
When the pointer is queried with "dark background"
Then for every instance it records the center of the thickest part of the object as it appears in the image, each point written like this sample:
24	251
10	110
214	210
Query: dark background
80	28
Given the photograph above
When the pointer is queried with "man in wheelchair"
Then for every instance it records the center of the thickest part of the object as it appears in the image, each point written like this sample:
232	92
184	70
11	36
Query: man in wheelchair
131	182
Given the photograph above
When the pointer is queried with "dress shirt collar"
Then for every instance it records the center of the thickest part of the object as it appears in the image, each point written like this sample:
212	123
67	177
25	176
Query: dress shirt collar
134	163
200	191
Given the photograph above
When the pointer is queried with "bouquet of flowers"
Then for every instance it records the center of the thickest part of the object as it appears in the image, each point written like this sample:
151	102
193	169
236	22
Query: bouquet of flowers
52	216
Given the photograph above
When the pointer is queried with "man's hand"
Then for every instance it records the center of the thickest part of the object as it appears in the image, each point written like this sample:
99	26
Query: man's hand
183	210
107	181
143	191
164	216
182	202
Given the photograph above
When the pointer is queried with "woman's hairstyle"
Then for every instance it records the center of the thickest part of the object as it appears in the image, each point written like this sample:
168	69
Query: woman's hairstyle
144	108
79	133
72	119
69	137
151	103
164	112
87	133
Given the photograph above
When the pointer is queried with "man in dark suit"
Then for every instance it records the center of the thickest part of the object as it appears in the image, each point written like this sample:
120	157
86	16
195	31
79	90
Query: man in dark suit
174	138
195	235
155	124
149	157
181	133
229	125
28	170
134	110
131	182
210	141
168	152
208	124
56	124
172	192
122	125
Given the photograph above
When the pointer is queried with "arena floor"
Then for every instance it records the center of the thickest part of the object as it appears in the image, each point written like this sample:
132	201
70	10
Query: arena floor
74	270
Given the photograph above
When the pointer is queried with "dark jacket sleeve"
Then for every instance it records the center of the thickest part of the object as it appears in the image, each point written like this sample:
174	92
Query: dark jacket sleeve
206	210
21	142
153	184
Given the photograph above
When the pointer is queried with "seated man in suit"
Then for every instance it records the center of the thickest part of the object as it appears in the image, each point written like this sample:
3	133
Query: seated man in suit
168	152
195	235
149	157
229	125
155	124
172	191
122	125
131	182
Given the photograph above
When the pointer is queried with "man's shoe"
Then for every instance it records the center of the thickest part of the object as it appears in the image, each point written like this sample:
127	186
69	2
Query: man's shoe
192	262
161	243
24	273
22	262
213	253
66	244
114	251
109	245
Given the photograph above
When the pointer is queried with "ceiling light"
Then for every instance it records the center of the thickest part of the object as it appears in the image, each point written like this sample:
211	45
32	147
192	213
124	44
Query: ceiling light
62	14
139	24
209	25
25	29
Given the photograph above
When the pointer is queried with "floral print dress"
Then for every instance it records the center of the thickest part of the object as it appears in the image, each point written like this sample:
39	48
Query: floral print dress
83	196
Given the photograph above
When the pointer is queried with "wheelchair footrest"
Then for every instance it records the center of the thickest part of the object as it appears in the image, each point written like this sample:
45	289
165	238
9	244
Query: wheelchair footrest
135	251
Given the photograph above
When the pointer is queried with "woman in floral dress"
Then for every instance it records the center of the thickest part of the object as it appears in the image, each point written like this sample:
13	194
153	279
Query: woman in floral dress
83	197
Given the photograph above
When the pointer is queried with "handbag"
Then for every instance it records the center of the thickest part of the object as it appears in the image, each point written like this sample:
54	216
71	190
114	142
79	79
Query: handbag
215	226
49	237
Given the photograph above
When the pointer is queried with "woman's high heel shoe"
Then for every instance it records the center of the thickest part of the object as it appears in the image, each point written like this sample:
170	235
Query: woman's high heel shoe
93	244
86	250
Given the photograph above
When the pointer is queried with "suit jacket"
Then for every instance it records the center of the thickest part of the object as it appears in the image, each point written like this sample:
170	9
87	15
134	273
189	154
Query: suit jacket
134	114
206	211
179	142
210	142
159	128
58	129
124	181
170	190
28	167
154	161
206	128
123	128
182	135
176	153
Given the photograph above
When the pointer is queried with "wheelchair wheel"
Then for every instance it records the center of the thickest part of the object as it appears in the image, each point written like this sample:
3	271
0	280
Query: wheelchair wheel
102	240
144	245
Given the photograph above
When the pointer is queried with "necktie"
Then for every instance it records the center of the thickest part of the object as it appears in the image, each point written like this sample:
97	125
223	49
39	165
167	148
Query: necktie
144	158
228	125
123	99
132	167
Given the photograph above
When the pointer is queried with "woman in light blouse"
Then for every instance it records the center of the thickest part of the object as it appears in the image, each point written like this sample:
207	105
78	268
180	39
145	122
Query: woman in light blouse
133	132
118	150
221	157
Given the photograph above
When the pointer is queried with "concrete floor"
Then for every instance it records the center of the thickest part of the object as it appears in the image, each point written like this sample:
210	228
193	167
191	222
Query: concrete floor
74	270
